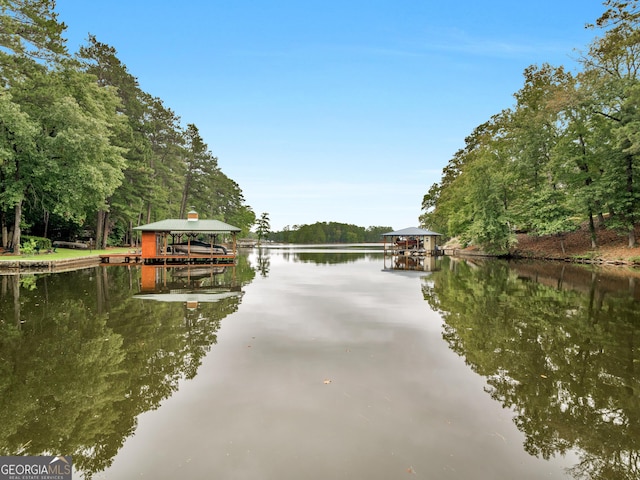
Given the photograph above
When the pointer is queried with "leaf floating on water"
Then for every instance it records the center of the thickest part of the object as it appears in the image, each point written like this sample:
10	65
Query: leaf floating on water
327	381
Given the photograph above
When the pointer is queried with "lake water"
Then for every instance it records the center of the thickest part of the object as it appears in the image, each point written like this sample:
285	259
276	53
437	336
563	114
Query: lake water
325	364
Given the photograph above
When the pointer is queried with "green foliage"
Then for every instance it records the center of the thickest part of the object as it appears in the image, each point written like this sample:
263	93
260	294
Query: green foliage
82	147
263	226
569	149
28	282
330	232
28	247
548	213
102	360
242	217
374	233
556	346
40	243
29	30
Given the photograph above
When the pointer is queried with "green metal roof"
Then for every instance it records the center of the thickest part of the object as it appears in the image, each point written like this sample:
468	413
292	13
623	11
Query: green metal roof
195	226
411	232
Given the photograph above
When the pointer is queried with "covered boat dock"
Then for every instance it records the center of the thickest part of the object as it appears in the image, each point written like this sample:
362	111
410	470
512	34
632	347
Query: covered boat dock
412	241
411	249
183	241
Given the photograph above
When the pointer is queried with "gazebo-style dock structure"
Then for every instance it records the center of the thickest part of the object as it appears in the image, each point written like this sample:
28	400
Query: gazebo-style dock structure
411	249
411	241
185	246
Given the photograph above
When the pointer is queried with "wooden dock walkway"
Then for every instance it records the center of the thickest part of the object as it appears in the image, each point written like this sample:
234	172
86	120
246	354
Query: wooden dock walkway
169	259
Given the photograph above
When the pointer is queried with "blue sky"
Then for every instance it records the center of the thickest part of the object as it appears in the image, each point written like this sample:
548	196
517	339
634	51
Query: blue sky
331	110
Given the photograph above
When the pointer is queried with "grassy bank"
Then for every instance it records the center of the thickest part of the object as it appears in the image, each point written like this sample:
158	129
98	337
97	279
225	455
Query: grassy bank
62	254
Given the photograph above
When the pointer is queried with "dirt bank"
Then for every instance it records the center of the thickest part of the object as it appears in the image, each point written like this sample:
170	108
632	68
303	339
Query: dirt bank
576	247
612	247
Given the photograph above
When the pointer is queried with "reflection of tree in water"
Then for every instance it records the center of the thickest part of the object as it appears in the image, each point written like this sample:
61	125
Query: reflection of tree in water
329	257
566	361
87	358
264	262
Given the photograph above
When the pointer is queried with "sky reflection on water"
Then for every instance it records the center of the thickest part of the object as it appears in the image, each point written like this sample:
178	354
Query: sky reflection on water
327	366
399	401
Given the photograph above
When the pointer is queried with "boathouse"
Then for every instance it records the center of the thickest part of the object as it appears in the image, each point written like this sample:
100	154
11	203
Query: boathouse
184	233
182	241
411	241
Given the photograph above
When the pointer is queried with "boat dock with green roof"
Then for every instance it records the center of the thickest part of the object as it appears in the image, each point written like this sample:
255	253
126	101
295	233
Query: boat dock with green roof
182	241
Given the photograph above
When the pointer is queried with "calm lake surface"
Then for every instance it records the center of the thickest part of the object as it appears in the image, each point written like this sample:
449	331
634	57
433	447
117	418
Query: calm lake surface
325	364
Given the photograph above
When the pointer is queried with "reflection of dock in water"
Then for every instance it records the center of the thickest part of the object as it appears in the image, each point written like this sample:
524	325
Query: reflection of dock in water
418	263
187	284
204	296
197	272
158	277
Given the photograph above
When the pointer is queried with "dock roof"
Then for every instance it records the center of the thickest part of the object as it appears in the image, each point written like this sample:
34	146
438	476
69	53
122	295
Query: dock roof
411	232
188	226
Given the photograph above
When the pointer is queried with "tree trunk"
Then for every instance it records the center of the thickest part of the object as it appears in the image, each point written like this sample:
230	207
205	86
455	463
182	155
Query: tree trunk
130	234
17	313
185	196
102	291
105	230
99	228
183	203
5	231
46	224
632	233
16	228
592	230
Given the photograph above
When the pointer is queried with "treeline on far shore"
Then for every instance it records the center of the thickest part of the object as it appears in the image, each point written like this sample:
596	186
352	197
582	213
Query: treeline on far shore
329	232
